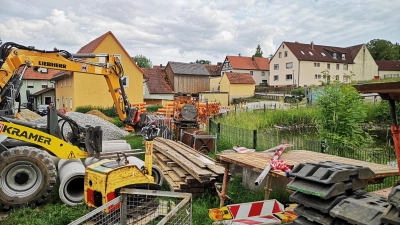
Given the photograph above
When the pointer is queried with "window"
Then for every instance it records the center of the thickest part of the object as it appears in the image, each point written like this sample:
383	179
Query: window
323	54
345	67
343	56
302	52
30	84
44	84
70	81
65	81
251	73
58	103
119	57
334	55
345	78
285	53
316	76
289	65
311	53
280	54
283	46
316	64
390	75
125	81
56	83
337	66
66	102
276	77
289	76
42	70
263	73
276	66
319	76
70	103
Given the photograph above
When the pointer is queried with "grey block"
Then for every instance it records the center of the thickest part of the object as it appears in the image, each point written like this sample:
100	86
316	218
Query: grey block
314	215
391	215
324	205
366	210
325	191
331	172
394	197
301	220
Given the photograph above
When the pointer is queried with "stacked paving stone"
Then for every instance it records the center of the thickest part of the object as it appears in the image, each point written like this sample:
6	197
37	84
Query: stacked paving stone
392	212
331	193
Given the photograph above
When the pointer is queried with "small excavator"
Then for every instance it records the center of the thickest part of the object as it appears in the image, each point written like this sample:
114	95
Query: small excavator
27	173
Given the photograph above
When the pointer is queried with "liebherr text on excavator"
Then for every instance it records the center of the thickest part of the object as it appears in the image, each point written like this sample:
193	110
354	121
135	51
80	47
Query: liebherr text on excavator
27	173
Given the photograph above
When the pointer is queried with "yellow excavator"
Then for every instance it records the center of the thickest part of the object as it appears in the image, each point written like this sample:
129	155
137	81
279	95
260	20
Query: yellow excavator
27	173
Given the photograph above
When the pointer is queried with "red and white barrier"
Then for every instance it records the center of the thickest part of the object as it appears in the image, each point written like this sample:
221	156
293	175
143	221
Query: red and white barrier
261	208
269	219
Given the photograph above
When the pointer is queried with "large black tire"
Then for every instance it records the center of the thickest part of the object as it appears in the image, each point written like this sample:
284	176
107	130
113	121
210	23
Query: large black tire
27	176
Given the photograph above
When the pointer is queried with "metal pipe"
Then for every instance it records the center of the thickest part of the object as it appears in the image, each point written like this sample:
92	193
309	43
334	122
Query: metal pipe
72	175
114	147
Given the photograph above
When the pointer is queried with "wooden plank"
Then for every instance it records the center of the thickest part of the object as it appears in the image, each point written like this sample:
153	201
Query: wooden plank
257	161
172	185
162	164
190	180
172	164
200	174
194	156
175	177
162	157
181	173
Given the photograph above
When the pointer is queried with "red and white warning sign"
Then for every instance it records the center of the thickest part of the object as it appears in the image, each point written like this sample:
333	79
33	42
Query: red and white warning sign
261	208
269	219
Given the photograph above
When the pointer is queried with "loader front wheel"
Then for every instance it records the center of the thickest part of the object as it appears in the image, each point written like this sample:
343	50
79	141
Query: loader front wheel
27	176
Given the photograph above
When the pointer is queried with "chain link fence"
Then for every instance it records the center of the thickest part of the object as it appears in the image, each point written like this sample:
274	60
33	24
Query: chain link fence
139	207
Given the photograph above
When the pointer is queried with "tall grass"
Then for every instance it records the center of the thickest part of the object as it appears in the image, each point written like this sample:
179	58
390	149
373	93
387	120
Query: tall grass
260	120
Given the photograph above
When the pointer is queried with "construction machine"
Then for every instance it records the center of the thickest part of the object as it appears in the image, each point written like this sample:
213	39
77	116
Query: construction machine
27	173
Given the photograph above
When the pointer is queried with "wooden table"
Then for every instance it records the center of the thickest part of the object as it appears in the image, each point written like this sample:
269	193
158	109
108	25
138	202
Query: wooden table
257	161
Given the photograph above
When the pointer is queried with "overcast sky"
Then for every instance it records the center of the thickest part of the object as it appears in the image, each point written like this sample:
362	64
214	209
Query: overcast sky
186	30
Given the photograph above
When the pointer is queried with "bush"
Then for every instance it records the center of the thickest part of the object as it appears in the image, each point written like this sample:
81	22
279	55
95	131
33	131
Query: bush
153	108
108	111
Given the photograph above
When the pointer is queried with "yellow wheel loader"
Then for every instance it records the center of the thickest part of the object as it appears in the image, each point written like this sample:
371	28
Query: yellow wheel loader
27	173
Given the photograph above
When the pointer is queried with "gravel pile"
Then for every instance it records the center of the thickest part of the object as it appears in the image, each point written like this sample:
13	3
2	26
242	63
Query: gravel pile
110	131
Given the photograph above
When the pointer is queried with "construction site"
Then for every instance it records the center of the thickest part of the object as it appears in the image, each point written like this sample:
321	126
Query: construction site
95	167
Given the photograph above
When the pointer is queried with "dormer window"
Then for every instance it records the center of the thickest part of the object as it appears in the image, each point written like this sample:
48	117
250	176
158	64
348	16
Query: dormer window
323	54
334	55
310	53
343	56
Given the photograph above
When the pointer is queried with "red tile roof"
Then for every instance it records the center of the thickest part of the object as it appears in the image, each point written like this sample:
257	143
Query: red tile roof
243	62
388	65
156	82
43	91
31	75
321	53
91	47
214	70
240	78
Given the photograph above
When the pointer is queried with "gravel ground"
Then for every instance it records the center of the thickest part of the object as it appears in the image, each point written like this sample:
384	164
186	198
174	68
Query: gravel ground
110	131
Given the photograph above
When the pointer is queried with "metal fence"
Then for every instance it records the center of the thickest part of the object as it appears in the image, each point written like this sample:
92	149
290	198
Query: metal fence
232	136
136	206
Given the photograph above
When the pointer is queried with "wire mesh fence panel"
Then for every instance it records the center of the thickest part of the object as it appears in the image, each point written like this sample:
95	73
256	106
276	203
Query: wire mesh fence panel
136	206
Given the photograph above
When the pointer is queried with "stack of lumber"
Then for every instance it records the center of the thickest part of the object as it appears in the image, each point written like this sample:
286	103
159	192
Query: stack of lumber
185	169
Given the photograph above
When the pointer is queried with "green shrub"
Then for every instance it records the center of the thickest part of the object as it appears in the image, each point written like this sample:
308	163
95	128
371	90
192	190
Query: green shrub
153	108
108	111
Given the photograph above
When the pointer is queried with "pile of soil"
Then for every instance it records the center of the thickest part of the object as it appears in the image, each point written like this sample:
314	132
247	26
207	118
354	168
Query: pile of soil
28	115
101	115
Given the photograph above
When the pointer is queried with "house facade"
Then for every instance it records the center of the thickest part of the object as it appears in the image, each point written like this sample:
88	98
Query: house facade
39	85
81	89
238	85
157	88
298	64
188	77
388	68
258	68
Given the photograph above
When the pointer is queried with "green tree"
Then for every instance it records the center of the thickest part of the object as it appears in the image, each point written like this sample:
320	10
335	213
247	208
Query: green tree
202	61
383	50
341	110
258	53
142	61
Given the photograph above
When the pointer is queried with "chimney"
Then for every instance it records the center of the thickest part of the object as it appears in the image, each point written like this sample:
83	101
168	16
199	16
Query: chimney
252	58
160	66
312	45
296	42
239	54
219	63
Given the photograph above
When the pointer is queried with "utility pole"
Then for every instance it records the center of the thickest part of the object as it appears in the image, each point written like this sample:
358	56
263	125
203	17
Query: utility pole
293	78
